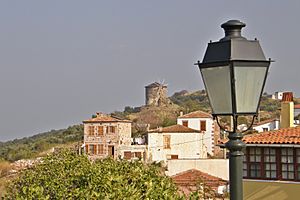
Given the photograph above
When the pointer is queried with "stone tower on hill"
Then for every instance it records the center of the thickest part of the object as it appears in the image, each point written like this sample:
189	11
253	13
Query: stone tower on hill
156	94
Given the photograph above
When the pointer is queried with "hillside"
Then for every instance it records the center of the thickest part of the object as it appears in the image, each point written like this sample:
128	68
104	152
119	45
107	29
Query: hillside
185	101
30	147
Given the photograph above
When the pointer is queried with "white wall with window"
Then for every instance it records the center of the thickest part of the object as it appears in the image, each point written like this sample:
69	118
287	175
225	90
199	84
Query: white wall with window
267	126
205	125
175	145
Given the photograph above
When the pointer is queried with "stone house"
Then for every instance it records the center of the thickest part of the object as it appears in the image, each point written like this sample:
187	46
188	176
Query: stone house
104	135
175	142
204	123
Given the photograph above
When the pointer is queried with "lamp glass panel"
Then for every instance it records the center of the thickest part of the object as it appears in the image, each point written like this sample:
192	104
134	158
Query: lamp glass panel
249	83
218	87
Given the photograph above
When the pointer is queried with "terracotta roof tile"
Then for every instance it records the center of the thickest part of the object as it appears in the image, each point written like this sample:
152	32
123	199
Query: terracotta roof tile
193	176
297	106
105	118
281	136
196	114
174	129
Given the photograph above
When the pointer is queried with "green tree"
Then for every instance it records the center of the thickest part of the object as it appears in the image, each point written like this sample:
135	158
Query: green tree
70	176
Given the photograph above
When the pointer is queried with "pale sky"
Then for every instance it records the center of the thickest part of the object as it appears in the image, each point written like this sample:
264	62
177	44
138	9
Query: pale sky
63	60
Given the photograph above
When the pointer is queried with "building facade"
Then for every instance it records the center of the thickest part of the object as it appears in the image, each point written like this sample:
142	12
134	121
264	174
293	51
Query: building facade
104	135
175	142
204	123
273	155
267	125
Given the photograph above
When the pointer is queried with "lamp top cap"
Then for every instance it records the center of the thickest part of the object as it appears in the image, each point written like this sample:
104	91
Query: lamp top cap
233	29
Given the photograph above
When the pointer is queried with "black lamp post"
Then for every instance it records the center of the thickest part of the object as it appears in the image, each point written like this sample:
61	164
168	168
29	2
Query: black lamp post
234	71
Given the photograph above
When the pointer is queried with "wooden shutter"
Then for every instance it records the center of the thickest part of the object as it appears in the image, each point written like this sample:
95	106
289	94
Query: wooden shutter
167	140
91	130
95	149
112	129
100	130
87	148
100	149
202	125
185	123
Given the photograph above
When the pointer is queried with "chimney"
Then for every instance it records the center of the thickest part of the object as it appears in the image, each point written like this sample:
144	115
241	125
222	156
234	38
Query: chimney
147	127
181	114
287	110
160	129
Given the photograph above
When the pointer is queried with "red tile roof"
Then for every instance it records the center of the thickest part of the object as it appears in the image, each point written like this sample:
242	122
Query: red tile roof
100	117
196	114
297	106
189	179
174	129
281	136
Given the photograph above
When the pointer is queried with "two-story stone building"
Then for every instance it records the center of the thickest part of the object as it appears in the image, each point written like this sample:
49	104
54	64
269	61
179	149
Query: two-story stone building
105	135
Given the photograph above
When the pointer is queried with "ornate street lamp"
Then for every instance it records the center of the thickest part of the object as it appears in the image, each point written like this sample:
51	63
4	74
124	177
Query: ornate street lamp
234	72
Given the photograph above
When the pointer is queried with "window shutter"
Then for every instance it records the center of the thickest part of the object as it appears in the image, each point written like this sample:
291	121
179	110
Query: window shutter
185	123
203	125
87	148
95	149
167	140
100	130
91	130
100	149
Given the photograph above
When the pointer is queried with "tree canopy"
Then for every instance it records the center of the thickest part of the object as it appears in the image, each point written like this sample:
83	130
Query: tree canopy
67	175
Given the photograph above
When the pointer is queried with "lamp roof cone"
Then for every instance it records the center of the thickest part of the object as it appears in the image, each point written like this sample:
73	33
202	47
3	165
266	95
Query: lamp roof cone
234	70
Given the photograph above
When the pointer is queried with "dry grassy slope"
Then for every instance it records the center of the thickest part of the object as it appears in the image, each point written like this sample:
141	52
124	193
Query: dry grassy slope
156	116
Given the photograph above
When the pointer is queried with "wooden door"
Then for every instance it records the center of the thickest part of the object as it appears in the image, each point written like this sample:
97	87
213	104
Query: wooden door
111	151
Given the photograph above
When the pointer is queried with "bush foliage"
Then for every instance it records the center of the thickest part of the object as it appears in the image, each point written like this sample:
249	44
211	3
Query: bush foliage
70	176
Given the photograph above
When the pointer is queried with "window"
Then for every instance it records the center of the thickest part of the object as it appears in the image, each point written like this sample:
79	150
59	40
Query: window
245	167
100	130
202	125
92	149
298	163
185	123
254	162
270	163
127	155
287	163
91	130
167	140
265	129
138	155
110	129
